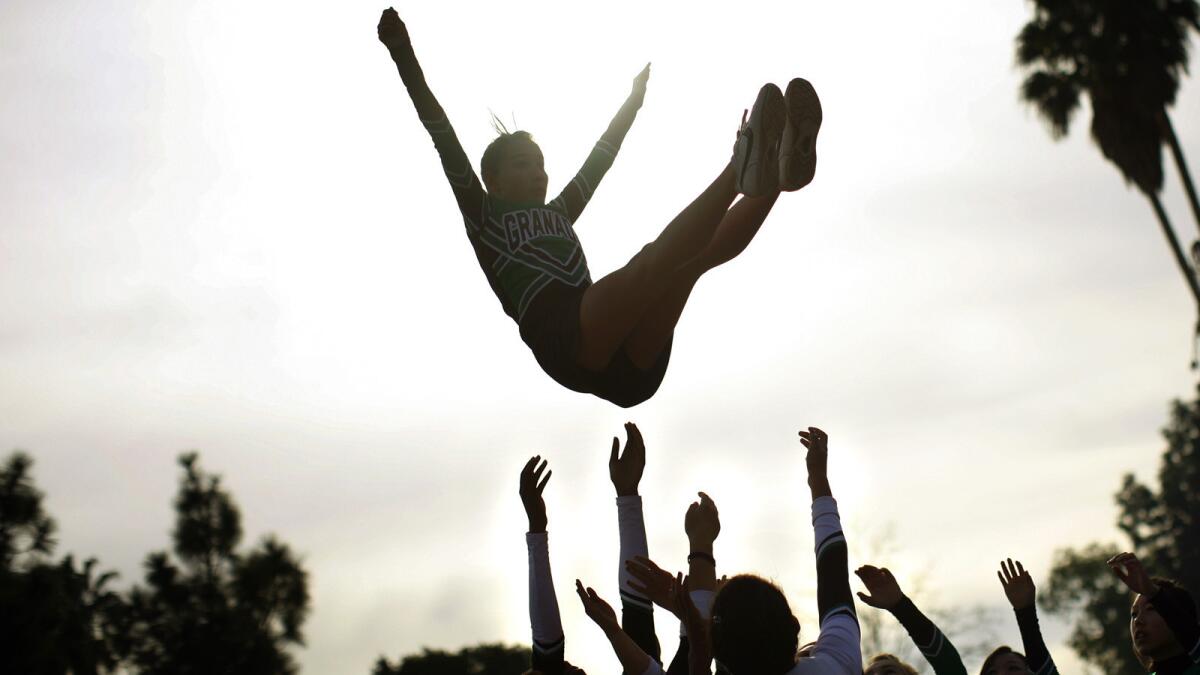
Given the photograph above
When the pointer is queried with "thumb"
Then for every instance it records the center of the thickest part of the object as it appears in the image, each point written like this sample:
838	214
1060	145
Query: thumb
612	456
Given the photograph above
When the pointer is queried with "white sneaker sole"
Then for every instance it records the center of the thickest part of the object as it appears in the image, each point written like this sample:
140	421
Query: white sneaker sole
798	150
756	156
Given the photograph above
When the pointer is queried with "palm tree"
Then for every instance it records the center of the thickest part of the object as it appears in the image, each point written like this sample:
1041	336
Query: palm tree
1127	56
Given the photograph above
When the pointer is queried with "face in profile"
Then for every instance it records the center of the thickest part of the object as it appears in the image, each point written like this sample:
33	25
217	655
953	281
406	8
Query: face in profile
1150	634
521	174
1007	664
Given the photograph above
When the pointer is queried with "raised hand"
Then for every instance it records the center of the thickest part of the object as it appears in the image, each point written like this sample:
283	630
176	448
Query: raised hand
1129	570
1018	585
639	86
597	609
653	582
884	591
532	484
702	523
816	460
626	471
392	31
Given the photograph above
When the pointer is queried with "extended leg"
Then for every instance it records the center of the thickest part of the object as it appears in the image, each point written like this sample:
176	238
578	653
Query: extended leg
733	235
615	304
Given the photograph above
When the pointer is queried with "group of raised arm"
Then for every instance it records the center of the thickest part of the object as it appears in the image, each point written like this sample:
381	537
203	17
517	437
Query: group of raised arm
744	622
1163	627
734	638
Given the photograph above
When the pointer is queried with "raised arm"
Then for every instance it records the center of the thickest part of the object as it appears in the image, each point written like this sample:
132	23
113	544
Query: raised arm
1183	625
548	640
633	659
885	593
625	470
579	191
838	642
468	191
1021	594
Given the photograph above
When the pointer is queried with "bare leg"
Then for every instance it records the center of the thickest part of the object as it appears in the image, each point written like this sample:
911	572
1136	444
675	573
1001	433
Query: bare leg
733	235
615	304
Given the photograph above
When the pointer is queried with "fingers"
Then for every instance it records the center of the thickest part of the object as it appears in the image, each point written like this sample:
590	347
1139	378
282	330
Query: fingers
866	570
647	563
707	502
633	438
546	479
527	472
612	455
813	436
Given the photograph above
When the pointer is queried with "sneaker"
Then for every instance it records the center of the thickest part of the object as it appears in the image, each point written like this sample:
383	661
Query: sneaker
798	150
756	152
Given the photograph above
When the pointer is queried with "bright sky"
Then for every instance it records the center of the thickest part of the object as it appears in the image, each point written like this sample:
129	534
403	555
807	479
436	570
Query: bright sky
224	229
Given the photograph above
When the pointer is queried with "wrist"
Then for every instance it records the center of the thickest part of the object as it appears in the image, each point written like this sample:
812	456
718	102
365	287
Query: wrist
701	546
820	487
627	491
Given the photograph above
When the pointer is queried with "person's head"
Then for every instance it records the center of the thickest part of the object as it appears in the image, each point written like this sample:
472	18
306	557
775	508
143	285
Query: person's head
1152	639
513	168
753	630
888	664
1004	661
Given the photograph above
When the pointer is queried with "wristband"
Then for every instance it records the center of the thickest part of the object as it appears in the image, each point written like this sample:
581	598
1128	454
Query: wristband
702	556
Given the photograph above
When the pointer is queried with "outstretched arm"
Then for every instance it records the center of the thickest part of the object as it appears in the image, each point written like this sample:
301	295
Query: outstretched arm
548	640
466	186
838	641
1187	632
633	660
579	191
885	593
1021	594
625	471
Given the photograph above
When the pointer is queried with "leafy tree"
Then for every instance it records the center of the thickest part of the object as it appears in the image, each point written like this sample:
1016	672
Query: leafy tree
493	659
211	609
55	618
1163	528
1128	58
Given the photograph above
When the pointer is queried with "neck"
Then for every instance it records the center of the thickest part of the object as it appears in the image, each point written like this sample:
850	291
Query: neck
1172	665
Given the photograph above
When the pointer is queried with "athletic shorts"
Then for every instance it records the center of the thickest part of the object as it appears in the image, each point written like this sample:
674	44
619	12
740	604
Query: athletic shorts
553	336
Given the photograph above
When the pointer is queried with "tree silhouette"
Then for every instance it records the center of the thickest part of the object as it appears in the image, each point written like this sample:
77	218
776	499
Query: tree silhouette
1128	58
493	659
1163	528
54	618
215	610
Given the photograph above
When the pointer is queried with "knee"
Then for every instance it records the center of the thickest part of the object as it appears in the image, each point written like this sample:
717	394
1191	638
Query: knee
644	267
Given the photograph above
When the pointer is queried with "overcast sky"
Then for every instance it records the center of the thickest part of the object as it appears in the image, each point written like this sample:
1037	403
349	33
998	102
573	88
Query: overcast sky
222	228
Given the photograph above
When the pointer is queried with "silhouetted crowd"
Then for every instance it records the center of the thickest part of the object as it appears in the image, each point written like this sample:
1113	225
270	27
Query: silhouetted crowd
743	625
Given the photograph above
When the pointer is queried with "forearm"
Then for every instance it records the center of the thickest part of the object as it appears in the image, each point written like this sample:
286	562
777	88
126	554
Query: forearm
543	604
934	645
622	121
1037	655
637	612
631	527
633	659
699	658
839	639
